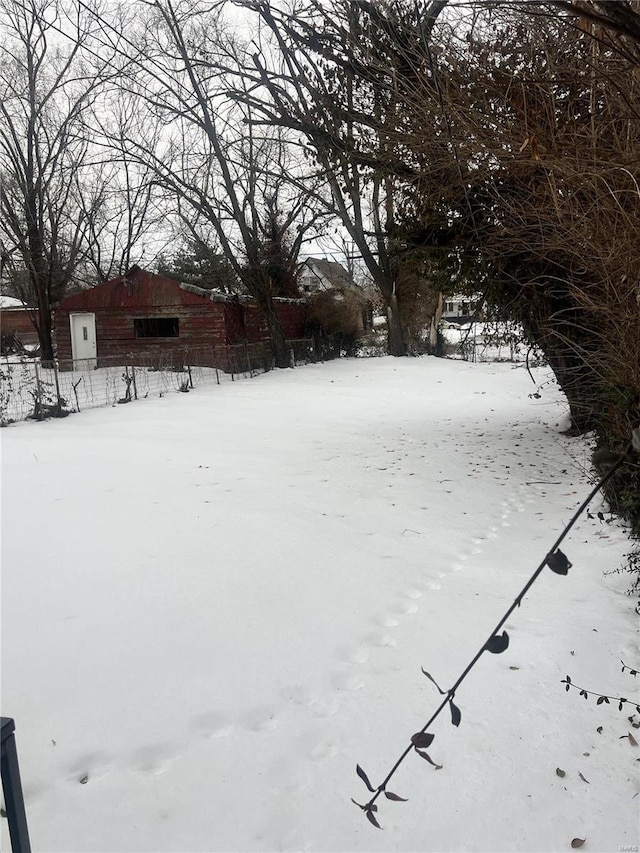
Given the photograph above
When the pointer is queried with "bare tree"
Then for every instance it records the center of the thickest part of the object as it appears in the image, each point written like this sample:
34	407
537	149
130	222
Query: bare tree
511	134
222	177
130	223
46	87
534	171
349	119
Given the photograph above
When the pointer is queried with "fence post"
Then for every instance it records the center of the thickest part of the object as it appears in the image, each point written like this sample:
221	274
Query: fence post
74	385
12	789
38	407
215	364
230	365
54	365
133	379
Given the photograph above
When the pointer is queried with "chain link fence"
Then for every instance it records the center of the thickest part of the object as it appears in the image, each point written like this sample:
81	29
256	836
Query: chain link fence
30	388
484	341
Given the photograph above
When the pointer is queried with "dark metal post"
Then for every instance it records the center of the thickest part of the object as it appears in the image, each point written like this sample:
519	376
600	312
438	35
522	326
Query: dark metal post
12	790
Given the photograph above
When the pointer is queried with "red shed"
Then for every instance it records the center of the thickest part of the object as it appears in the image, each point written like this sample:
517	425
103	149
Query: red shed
141	313
17	323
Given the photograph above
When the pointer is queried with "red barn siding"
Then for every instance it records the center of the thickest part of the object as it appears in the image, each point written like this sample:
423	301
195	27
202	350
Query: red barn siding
234	323
203	323
292	316
17	321
115	334
254	323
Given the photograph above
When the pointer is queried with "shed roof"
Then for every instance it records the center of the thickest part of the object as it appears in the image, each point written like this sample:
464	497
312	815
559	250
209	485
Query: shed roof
136	289
10	302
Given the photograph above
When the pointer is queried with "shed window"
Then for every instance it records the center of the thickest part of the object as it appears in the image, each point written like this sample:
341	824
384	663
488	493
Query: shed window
156	327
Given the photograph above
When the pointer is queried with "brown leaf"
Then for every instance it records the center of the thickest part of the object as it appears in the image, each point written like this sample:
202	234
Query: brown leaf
433	681
365	778
578	842
583	779
429	759
632	740
498	643
422	739
560	773
372	819
391	796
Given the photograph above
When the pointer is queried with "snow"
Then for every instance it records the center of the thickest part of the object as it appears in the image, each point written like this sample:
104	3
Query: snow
216	604
11	302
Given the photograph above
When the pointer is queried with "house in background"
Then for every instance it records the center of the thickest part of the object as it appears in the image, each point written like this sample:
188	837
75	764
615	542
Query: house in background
141	314
322	276
461	309
17	331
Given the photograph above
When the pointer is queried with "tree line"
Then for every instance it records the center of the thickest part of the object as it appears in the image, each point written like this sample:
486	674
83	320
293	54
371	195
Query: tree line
458	144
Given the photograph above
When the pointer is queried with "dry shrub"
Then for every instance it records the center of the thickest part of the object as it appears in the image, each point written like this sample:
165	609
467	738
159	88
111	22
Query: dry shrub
338	312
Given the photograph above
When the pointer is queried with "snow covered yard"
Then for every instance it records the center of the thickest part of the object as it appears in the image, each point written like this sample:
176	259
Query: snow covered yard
215	604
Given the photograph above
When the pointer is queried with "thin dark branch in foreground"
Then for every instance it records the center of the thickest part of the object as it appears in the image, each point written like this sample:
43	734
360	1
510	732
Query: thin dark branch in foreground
601	697
496	644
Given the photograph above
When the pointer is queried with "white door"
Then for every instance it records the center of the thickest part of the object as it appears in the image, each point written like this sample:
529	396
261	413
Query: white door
83	341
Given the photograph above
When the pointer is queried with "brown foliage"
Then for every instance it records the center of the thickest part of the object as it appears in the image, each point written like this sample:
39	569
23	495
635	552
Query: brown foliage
338	312
516	132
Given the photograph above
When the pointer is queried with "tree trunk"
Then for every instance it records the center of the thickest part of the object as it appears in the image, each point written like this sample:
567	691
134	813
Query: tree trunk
566	348
45	336
44	326
278	341
580	385
395	332
434	326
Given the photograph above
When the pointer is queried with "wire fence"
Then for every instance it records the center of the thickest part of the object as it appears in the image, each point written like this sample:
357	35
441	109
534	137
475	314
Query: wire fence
485	341
30	388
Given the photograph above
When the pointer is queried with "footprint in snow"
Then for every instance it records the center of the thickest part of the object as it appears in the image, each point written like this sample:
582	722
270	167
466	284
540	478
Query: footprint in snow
260	719
348	682
414	594
213	724
298	694
381	640
406	608
355	654
389	621
293	781
153	759
323	708
89	767
325	749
